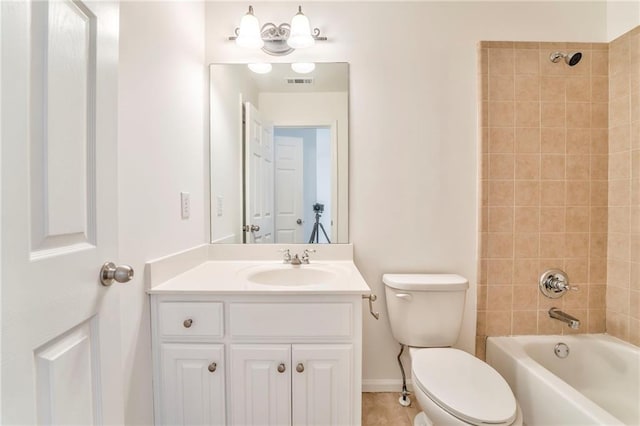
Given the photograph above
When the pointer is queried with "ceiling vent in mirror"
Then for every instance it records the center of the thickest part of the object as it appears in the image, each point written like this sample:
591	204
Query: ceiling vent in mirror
298	80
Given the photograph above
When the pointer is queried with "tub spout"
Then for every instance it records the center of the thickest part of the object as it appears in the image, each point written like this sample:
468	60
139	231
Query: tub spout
572	322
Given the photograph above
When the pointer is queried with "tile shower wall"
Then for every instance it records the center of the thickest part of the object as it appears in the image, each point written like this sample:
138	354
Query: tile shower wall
623	277
544	193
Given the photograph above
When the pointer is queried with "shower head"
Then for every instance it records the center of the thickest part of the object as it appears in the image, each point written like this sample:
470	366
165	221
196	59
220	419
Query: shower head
571	58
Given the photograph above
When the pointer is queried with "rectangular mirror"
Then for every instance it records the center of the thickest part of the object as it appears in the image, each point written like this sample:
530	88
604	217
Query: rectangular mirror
279	154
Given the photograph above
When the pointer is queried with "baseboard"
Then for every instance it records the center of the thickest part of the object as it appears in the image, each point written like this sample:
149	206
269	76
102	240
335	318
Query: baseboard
392	385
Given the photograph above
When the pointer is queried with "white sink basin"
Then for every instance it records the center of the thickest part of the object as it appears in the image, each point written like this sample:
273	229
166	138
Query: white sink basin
291	276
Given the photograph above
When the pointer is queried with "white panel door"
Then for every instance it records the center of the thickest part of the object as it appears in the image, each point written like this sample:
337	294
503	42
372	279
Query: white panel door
322	393
288	190
267	184
61	328
260	382
192	389
258	177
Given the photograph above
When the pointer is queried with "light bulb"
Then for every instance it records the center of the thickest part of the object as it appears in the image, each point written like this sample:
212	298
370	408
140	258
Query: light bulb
260	68
249	33
303	67
300	35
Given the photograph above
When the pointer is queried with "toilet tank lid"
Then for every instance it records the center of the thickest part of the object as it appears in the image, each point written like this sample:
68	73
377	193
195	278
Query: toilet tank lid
426	282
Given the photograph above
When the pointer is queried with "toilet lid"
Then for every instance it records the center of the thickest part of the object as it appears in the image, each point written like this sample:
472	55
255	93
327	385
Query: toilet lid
464	386
426	282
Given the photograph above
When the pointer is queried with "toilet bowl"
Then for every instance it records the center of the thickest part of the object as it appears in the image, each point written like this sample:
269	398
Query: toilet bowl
455	388
451	386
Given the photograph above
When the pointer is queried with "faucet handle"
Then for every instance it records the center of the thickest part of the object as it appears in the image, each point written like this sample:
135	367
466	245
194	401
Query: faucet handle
560	284
287	254
555	283
305	255
570	287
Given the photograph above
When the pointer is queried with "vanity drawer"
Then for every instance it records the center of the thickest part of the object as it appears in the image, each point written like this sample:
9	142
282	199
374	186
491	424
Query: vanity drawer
201	319
297	320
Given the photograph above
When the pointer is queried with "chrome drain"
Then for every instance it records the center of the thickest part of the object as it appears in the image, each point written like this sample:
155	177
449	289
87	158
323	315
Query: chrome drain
561	350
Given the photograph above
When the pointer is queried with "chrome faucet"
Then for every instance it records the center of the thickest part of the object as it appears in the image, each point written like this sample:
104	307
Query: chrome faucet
295	259
572	322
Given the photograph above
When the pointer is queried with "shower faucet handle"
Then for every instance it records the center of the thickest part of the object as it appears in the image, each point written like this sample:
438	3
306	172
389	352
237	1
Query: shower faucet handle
565	286
554	283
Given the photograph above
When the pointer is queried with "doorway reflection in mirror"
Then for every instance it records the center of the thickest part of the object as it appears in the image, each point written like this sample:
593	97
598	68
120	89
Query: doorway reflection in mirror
278	148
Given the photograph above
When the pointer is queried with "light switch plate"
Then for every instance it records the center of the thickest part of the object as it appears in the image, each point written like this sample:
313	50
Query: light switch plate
219	205
185	205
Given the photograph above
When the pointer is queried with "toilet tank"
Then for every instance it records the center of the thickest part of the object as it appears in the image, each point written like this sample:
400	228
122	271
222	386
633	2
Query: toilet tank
425	310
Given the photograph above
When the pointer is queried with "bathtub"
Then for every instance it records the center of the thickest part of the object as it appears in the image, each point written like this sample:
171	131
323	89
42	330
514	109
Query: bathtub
598	383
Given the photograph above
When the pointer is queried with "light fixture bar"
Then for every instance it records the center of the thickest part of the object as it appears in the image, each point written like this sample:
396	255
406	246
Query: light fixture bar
275	37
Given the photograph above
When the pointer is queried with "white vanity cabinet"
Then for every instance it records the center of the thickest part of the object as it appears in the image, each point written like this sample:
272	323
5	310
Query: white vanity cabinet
322	384
307	384
246	359
192	380
190	371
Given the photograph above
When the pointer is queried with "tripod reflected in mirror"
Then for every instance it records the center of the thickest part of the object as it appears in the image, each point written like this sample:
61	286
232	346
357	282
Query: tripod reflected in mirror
315	234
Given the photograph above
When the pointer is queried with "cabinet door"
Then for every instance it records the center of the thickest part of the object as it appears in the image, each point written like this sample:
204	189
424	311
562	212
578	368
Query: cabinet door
192	388
260	381
322	384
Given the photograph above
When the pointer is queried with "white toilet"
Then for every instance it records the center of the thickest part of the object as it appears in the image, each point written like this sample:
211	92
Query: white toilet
451	386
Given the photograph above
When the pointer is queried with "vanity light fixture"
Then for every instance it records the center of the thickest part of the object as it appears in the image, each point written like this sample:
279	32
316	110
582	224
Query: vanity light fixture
300	36
248	35
261	67
277	40
303	67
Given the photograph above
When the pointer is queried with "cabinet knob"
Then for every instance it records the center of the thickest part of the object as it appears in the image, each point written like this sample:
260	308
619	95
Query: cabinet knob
281	368
300	368
212	367
187	323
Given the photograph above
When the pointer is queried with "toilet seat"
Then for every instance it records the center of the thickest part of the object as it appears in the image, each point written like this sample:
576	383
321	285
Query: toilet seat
464	386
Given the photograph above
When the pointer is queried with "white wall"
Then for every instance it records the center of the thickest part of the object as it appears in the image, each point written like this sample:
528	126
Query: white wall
413	120
162	151
1	275
622	16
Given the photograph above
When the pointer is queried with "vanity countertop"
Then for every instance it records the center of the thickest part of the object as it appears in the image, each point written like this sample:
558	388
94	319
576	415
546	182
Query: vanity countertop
233	277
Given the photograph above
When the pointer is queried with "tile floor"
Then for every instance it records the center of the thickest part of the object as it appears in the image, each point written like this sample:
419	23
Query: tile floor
383	409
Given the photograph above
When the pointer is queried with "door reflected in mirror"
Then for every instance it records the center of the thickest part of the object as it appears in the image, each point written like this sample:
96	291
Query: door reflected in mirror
302	164
279	154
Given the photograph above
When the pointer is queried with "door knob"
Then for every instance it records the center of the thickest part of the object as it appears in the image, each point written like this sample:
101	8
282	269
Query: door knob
300	368
281	368
110	272
212	367
299	221
187	323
